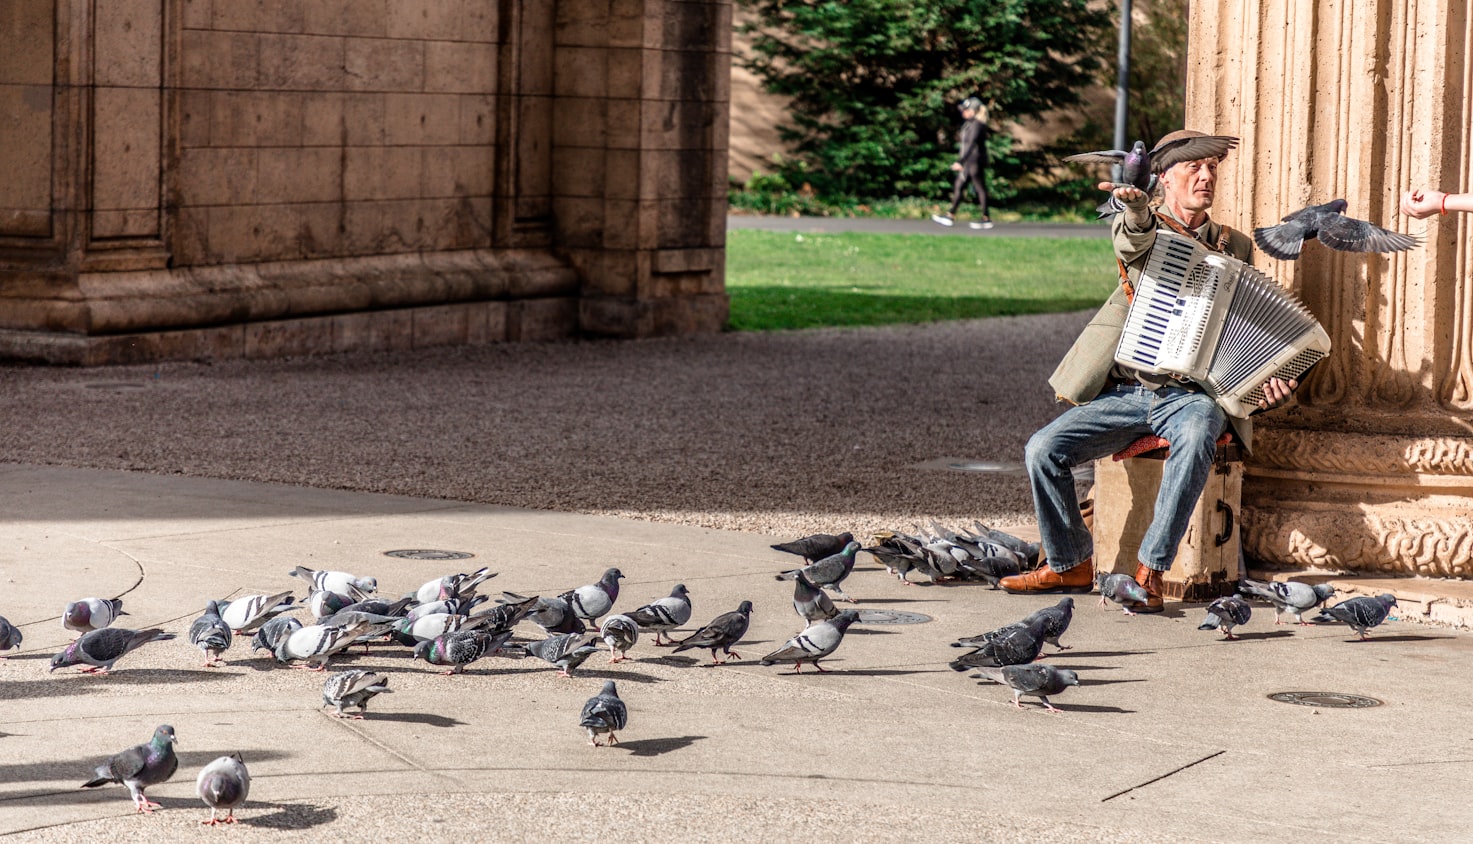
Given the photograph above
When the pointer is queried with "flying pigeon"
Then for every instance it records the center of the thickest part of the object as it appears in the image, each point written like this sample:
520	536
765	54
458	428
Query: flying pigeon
140	766
829	572
1328	224
1226	612
10	635
223	784
565	652
452	586
247	613
811	602
817	641
1360	613
664	614
1014	644
101	648
817	546
724	631
210	634
460	649
619	632
596	599
604	713
353	688
1140	169
340	582
1289	596
1040	680
91	614
273	632
555	616
1120	588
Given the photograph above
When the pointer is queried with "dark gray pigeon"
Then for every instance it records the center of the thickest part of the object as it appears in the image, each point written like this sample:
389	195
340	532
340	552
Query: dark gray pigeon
210	634
724	631
101	648
603	714
457	650
353	688
595	600
1014	644
811	602
664	614
1289	596
897	556
1140	169
247	613
223	784
829	572
620	633
1038	680
10	635
140	766
565	652
509	610
1056	620
274	632
816	546
1328	224
1360	613
817	641
91	614
555	616
1226	613
1122	589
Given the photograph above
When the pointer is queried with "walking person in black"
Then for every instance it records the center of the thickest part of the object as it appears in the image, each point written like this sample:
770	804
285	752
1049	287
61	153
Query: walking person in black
970	165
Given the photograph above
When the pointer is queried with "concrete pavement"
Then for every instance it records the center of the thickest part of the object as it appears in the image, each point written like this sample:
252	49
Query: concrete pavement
1171	735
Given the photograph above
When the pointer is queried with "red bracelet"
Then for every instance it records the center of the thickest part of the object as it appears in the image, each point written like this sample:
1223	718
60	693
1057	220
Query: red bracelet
1444	205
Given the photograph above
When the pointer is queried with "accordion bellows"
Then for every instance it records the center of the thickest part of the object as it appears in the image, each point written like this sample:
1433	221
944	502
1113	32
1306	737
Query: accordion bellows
1219	322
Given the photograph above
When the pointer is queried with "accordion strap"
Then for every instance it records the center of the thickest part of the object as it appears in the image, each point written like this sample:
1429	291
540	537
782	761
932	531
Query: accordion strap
1220	246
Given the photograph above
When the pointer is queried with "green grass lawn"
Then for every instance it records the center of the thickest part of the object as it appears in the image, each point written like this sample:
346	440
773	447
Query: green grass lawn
782	280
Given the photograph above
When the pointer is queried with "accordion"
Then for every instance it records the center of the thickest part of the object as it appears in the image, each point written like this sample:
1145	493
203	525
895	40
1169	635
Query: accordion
1217	321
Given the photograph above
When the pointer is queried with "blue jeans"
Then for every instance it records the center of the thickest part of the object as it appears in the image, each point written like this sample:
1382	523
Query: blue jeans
1190	421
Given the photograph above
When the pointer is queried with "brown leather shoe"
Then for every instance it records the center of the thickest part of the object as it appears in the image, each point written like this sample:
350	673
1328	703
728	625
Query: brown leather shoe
1150	580
1080	579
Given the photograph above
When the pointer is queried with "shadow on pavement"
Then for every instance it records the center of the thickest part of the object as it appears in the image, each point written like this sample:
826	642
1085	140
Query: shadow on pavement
416	718
657	747
289	816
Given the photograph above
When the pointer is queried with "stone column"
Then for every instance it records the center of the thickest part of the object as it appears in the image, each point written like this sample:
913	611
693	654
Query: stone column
1373	469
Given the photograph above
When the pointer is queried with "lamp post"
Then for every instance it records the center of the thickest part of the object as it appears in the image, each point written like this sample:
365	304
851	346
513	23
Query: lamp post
1122	85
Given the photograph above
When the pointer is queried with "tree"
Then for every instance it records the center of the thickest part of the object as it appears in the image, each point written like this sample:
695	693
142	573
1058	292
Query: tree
874	84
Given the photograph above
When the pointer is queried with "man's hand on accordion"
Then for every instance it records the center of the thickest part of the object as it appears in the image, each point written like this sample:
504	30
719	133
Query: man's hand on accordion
1276	393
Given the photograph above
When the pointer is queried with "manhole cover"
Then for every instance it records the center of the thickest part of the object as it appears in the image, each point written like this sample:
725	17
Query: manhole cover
892	617
428	554
1328	700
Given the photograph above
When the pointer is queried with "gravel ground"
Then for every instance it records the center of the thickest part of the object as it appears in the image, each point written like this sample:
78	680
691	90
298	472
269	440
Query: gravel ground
782	433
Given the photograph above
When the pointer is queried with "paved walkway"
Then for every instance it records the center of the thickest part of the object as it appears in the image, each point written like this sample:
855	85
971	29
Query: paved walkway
1171	735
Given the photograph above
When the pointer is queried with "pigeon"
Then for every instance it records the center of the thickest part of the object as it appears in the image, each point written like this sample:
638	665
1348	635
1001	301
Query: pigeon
323	602
1120	588
555	616
140	766
101	648
274	632
10	635
829	572
454	606
817	546
817	641
596	599
1056	620
247	613
1360	613
223	784
510	609
1328	224
896	560
604	713
459	649
412	632
619	632
721	633
210	634
452	586
353	688
1287	596
1028	551
1014	644
664	614
91	614
315	644
811	602
566	652
1140	169
1039	680
340	582
1226	612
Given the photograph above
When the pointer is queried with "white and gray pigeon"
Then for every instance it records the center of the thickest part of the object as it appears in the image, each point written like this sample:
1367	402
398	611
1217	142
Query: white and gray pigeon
1013	644
139	767
247	613
1360	613
604	713
340	582
10	635
555	616
459	649
594	600
1225	613
353	688
829	572
1289	596
315	644
664	614
273	632
1122	589
620	633
412	632
453	586
811	602
721	633
223	784
1328	224
91	614
99	649
210	634
454	606
1038	680
565	652
817	641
